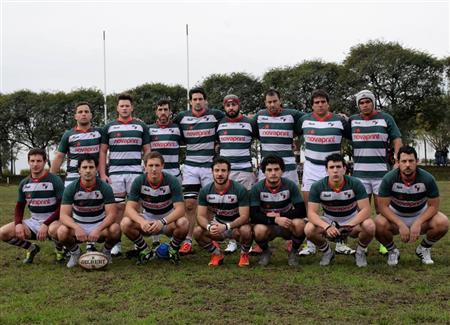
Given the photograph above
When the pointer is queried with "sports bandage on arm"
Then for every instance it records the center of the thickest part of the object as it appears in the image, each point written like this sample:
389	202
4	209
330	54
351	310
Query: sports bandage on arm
18	212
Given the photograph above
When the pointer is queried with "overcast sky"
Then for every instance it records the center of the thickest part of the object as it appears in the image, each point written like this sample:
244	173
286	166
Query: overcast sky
57	45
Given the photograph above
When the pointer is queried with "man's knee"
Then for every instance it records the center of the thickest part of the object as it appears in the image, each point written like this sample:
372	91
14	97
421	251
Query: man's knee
368	226
261	232
198	232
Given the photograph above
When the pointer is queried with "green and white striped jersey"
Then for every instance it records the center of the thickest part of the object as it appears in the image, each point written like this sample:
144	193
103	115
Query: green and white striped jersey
322	136
370	140
156	199
276	134
235	139
76	142
41	195
408	198
166	140
88	204
224	206
125	141
199	134
341	203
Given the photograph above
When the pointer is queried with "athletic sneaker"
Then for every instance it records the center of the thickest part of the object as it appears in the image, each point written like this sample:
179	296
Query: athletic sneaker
90	247
382	250
424	254
244	260
117	250
327	257
145	255
231	247
309	249
216	260
74	256
256	250
393	257
186	248
31	253
264	258
174	256
293	257
60	256
360	258
288	247
342	248
155	244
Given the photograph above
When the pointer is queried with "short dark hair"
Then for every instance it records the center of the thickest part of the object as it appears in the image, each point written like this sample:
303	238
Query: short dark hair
272	159
197	90
221	160
87	157
407	150
319	93
37	151
163	101
272	92
335	157
125	96
81	104
153	155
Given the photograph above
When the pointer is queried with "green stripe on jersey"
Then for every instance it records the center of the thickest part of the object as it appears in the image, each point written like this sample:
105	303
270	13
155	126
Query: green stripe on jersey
322	137
41	195
281	200
276	134
125	141
75	143
224	206
156	200
166	141
199	134
342	204
408	199
370	141
235	138
88	205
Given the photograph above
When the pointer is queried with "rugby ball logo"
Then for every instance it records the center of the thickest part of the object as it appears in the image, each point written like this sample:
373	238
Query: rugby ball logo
93	261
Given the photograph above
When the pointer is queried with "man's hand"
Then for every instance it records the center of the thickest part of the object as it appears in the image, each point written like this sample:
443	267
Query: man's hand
145	226
155	227
332	231
283	222
80	234
94	235
217	229
404	232
42	233
414	232
20	231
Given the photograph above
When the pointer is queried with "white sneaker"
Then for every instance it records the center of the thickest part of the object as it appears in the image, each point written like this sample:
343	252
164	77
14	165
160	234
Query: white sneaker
393	257
342	248
74	256
107	252
309	249
360	258
231	247
117	249
424	254
327	257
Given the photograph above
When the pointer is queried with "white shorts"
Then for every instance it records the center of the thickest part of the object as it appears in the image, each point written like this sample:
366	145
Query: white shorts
290	174
153	217
33	225
121	185
247	179
340	221
88	227
197	175
372	185
311	174
410	218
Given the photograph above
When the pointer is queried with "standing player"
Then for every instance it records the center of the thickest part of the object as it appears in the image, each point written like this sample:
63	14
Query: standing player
125	138
372	134
199	133
223	212
42	192
409	205
322	132
235	133
88	212
160	196
277	210
345	203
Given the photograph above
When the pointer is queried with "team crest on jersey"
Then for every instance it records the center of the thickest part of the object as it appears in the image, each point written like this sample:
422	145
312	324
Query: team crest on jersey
311	132
225	132
28	196
267	126
358	131
78	144
118	135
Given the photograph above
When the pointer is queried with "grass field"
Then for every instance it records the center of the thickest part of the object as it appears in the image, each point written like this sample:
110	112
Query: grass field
193	293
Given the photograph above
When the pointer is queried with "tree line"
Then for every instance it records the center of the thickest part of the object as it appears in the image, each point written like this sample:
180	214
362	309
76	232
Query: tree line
411	85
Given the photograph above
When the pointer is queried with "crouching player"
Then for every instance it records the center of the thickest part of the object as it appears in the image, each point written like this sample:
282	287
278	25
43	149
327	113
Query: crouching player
88	212
346	210
160	195
42	192
409	206
277	210
223	213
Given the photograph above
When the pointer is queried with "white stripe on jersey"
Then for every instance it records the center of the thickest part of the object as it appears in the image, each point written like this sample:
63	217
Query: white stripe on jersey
235	126
317	155
84	136
369	123
73	175
125	127
370	167
413	189
126	169
172	171
200	146
125	141
217	198
241	165
125	155
41	186
276	147
84	149
276	133
274	197
235	139
171	158
147	190
234	152
165	131
210	118
283	119
331	195
369	152
323	139
322	124
289	160
410	214
40	216
83	219
164	144
365	137
94	195
198	159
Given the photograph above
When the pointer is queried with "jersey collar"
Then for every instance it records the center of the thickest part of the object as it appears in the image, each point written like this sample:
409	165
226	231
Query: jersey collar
90	188
406	182
157	185
366	118
236	119
271	189
127	121
77	129
339	188
225	190
322	119
38	179
199	114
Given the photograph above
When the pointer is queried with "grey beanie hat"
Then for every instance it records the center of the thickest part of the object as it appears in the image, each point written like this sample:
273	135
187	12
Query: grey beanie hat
366	94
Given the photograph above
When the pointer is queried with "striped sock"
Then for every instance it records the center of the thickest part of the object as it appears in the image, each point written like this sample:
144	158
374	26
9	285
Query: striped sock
188	240
391	246
74	248
427	243
19	243
324	247
140	243
175	243
245	248
263	244
209	247
297	242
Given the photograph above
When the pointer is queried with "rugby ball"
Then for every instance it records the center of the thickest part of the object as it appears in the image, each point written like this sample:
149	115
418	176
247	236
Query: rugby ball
93	261
162	251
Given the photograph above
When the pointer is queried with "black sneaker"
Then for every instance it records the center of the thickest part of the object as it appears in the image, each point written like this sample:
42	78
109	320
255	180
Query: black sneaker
31	253
145	256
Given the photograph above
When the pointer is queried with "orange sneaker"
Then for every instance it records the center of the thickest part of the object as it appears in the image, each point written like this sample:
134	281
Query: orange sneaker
186	248
244	260
216	260
255	250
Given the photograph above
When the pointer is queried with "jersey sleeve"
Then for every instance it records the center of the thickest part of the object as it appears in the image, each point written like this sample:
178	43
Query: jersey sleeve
295	193
63	146
177	192
202	197
360	190
298	126
69	192
243	197
177	118
105	135
255	200
145	134
314	193
347	131
432	189
20	194
385	186
218	114
59	187
135	190
392	128
108	195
